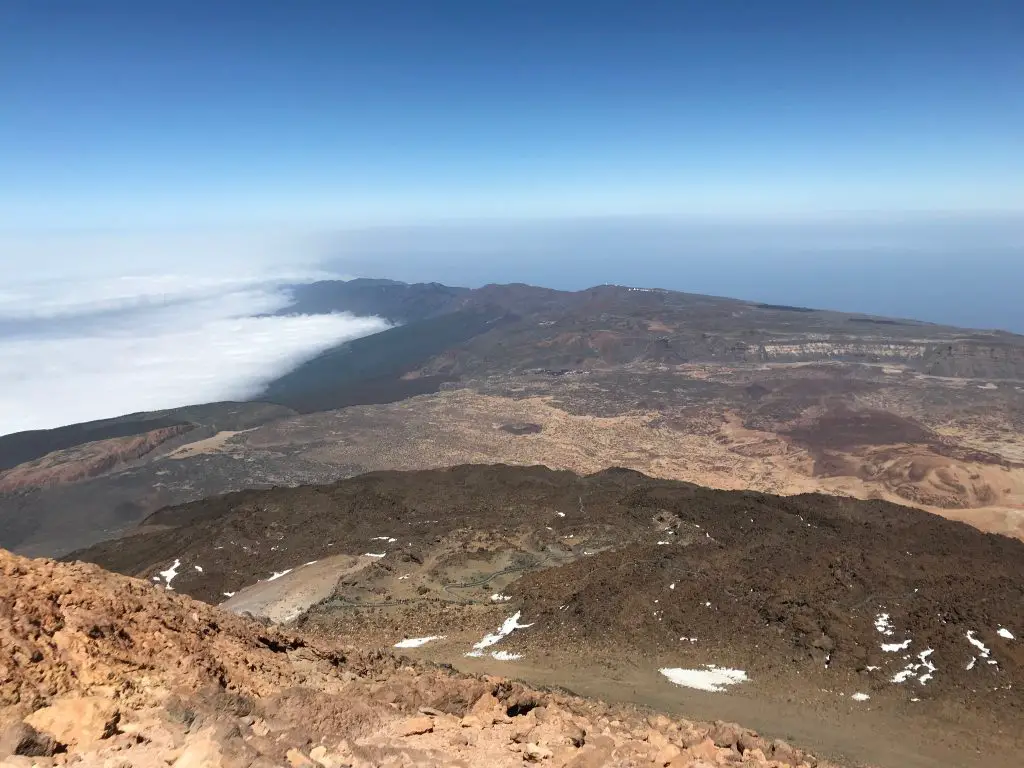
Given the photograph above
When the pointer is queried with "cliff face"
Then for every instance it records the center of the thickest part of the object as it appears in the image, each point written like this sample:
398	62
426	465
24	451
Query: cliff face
86	460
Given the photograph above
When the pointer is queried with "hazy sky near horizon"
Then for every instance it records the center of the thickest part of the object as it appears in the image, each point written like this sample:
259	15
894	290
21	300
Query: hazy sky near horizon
121	114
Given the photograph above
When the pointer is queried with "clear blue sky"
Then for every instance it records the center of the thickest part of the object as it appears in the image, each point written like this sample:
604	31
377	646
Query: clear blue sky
147	113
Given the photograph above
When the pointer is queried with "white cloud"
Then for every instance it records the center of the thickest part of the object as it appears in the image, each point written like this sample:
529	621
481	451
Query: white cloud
75	350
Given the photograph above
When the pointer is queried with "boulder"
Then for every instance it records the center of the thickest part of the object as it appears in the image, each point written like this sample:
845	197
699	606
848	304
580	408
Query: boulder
77	721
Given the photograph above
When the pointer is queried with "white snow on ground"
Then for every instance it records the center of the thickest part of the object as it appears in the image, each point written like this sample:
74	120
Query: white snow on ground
278	574
860	697
311	562
712	678
229	594
416	642
883	624
198	568
497	597
1005	633
984	652
923	656
664	542
511	625
374	554
403	578
894	647
914	669
672	585
388	539
560	514
506	656
170	573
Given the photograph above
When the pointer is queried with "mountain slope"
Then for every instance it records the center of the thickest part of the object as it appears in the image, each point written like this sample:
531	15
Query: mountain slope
99	669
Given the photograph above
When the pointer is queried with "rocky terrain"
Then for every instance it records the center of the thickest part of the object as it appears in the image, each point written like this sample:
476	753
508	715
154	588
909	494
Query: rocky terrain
823	604
100	670
720	392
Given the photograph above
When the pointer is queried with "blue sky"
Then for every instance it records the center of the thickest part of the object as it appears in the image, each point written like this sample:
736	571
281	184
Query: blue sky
186	114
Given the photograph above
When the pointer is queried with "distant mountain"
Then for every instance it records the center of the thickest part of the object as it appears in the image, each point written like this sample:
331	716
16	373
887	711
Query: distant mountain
714	390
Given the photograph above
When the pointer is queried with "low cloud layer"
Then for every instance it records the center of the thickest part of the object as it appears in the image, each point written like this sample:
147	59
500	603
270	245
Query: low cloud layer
74	350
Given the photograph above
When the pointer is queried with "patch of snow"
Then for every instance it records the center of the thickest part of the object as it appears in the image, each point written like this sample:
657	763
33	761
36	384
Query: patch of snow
229	594
403	578
984	652
914	669
1005	633
664	542
560	514
388	539
170	573
894	647
198	568
860	697
506	656
510	625
278	574
672	585
711	678
156	578
416	642
923	656
707	604
374	554
974	660
311	562
883	624
497	597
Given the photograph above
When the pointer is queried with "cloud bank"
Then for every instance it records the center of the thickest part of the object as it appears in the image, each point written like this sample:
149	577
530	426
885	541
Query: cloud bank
85	348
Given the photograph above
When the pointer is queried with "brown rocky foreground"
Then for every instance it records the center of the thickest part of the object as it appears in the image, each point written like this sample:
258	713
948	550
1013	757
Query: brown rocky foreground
101	670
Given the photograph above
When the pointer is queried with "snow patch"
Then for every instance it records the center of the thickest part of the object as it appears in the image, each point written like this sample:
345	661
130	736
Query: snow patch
860	697
506	656
560	514
374	554
883	624
416	642
922	669
894	647
510	625
711	678
497	597
198	568
388	539
1005	633
278	574
170	573
984	652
